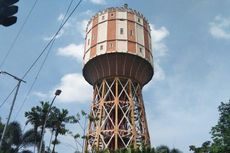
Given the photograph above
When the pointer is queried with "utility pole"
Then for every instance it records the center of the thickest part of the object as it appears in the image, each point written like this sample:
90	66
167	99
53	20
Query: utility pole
12	105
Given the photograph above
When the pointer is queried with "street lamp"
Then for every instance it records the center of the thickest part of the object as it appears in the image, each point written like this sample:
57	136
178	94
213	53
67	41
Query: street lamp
12	105
57	93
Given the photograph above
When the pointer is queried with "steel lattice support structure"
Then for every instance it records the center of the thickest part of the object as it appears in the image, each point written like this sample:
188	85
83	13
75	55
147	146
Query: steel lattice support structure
119	109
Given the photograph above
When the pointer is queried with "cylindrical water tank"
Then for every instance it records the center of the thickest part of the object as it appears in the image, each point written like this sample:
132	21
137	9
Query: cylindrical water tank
118	43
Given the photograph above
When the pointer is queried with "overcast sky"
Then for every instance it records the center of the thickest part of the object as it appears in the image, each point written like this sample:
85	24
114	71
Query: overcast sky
191	48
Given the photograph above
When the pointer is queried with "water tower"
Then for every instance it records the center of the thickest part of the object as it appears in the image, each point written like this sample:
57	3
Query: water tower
118	62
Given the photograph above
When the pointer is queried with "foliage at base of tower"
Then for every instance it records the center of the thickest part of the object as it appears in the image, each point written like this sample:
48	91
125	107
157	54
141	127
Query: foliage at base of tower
142	149
220	134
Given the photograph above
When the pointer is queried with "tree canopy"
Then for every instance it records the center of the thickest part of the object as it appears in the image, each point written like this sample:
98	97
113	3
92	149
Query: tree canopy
220	134
16	141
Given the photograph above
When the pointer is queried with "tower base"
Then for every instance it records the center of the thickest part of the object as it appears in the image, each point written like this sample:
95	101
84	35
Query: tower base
118	116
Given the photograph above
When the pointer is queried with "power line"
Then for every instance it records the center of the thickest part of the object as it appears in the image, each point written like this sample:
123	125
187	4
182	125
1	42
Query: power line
12	45
11	92
42	65
29	69
18	34
33	83
43	51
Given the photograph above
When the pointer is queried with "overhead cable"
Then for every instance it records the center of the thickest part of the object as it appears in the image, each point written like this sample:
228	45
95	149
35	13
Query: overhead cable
43	51
42	64
17	35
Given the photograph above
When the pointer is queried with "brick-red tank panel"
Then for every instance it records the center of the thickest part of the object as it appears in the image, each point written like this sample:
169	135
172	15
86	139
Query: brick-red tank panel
94	32
131	33
111	46
146	36
95	21
130	16
147	55
111	33
145	24
132	47
93	52
146	39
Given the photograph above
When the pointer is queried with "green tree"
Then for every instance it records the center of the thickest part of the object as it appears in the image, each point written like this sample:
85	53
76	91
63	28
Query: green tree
175	150
162	149
220	134
33	117
80	119
59	119
37	116
55	119
16	141
142	149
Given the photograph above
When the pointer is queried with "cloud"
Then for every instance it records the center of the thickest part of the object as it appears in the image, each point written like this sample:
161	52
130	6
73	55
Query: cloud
158	36
73	25
72	50
65	28
220	28
48	38
98	1
40	94
160	74
159	50
60	17
182	108
88	13
81	27
74	89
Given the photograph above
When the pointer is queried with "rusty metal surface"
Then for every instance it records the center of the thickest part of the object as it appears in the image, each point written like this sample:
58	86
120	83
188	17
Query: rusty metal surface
118	64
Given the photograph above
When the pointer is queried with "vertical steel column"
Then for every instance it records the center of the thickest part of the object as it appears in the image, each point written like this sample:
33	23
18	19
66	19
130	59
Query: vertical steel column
134	133
116	101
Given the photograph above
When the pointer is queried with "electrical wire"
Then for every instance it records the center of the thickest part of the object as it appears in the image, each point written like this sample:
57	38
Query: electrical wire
42	65
33	83
8	97
12	45
33	64
18	34
43	51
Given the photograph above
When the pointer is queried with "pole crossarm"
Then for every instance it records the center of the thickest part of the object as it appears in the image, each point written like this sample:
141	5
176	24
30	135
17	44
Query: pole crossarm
13	76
